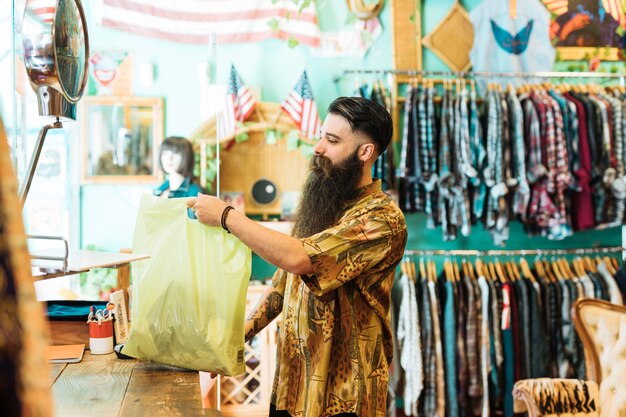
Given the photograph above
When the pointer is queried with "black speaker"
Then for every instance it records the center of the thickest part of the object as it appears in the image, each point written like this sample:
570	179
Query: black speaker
264	192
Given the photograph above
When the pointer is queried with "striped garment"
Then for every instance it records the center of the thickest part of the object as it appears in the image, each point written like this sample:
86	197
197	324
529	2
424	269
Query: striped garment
194	21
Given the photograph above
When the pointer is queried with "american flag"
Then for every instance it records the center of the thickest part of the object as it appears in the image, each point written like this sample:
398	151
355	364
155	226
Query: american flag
232	21
300	106
238	105
613	7
43	10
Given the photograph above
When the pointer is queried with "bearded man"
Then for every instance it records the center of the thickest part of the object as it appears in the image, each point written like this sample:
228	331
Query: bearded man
335	274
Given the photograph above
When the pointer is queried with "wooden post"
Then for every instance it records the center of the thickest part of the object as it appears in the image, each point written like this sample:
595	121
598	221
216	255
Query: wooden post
123	273
407	47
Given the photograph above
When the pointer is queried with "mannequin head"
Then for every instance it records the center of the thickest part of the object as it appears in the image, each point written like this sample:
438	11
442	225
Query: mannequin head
176	157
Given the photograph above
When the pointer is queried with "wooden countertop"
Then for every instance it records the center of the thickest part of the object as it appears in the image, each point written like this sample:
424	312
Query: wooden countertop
103	385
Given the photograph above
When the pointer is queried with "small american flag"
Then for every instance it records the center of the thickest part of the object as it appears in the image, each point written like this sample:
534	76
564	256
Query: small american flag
300	106
238	105
43	10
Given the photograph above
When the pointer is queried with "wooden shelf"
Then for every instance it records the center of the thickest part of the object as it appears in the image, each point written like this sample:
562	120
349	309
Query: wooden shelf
79	261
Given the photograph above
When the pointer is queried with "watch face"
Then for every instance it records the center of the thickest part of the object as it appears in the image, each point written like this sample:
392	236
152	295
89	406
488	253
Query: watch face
264	191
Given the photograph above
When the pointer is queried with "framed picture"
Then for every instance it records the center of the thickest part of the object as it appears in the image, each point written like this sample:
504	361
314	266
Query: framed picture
585	29
120	139
235	199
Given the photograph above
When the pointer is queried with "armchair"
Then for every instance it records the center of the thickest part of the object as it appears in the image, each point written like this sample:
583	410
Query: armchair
601	327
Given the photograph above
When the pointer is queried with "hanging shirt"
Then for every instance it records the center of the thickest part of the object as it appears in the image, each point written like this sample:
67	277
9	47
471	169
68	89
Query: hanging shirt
505	44
410	346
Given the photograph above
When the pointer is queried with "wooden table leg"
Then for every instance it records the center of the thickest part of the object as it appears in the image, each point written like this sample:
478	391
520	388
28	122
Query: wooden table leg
123	274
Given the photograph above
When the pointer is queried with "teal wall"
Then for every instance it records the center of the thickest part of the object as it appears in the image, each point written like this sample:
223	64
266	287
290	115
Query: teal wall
108	212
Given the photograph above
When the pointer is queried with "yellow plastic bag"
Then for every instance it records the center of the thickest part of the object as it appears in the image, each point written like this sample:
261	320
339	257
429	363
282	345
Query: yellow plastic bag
189	298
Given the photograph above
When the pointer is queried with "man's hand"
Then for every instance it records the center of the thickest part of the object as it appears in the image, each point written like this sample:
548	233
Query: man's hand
208	209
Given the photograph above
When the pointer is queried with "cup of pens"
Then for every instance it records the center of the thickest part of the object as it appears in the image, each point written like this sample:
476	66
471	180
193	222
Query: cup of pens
101	330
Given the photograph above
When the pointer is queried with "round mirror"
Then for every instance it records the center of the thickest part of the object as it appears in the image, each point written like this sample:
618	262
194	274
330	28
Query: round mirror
56	48
70	48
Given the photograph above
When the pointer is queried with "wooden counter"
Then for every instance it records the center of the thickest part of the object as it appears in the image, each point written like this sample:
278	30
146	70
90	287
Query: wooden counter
102	385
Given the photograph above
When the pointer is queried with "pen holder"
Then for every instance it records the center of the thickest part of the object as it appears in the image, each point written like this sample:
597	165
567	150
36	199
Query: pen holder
101	337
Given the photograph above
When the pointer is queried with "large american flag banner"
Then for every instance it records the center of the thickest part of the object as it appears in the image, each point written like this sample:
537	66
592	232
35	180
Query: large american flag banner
193	21
613	7
44	10
300	106
238	105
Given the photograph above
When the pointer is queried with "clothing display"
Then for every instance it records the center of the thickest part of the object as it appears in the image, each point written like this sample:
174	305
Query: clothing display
515	321
551	156
338	236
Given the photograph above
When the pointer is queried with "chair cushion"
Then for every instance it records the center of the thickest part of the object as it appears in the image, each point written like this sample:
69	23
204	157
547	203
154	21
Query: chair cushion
558	397
607	329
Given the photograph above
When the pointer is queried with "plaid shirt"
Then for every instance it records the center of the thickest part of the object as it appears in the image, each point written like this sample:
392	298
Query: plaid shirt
561	177
540	208
522	192
407	130
478	156
463	164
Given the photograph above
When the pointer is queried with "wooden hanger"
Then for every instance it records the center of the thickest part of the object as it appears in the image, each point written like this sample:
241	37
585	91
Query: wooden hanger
565	268
410	269
432	271
423	275
526	270
578	267
457	274
509	270
556	270
548	268
589	264
515	269
609	265
403	267
470	270
615	263
447	268
500	272
480	270
541	272
492	271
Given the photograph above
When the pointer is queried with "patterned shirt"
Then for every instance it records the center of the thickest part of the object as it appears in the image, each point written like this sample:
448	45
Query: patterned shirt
335	344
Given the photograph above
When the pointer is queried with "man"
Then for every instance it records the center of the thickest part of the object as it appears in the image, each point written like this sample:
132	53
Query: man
336	272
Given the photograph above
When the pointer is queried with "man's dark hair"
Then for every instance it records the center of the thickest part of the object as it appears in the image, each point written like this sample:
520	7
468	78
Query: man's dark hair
367	117
183	147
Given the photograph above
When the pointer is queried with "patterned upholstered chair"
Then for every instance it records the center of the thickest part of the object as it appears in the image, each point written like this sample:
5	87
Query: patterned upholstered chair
602	330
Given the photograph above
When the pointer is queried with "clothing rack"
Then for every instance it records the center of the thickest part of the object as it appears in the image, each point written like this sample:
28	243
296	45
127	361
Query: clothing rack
516	252
489	74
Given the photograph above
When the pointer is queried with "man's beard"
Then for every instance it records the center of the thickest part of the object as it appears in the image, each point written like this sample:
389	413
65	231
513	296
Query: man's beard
325	193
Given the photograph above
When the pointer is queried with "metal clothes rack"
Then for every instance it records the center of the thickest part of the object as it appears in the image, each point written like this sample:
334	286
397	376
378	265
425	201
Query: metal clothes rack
517	252
397	77
489	74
